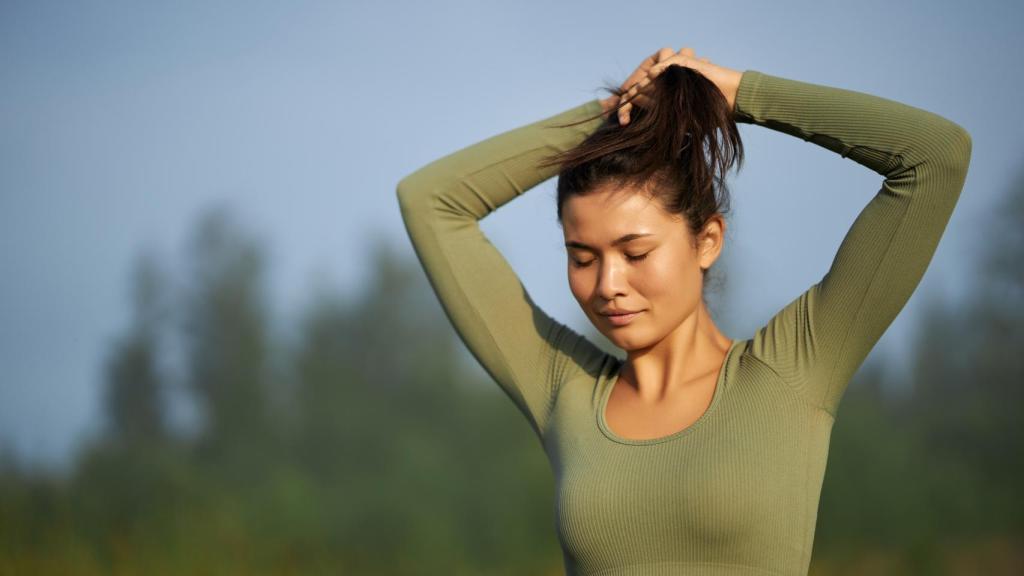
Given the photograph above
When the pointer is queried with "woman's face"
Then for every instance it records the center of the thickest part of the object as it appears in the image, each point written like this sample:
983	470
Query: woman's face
627	254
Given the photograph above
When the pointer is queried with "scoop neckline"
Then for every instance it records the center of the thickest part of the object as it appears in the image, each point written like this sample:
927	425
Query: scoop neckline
715	400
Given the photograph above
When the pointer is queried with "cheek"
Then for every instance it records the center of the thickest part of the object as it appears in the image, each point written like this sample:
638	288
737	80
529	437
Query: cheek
664	279
671	287
578	286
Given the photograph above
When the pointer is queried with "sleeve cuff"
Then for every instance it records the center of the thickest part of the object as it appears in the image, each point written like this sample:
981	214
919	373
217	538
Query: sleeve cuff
746	95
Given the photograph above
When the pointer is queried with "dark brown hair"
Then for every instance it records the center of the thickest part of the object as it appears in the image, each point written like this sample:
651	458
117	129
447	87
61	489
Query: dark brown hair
678	148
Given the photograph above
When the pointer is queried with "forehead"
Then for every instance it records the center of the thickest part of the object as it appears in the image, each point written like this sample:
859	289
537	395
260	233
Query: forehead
611	211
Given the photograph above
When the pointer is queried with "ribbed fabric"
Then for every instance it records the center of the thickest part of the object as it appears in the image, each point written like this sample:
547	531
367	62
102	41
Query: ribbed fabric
737	491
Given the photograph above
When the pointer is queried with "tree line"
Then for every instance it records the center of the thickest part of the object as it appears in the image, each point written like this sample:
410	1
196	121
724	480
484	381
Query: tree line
362	442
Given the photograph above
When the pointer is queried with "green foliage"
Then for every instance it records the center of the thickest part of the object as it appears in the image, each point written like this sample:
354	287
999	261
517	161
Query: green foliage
364	446
134	403
928	482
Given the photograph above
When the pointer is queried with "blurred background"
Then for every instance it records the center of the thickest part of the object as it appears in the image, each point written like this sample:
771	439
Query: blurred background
219	354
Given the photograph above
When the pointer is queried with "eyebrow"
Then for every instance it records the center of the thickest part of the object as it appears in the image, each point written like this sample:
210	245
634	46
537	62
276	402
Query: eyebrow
616	242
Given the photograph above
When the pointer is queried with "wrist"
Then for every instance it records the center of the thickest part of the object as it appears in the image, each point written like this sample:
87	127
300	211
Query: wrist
732	87
607	104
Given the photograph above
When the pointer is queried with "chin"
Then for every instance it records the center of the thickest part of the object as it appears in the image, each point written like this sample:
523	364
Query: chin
613	336
621	339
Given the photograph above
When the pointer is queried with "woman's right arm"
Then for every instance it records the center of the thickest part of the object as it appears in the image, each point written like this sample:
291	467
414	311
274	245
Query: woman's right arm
526	351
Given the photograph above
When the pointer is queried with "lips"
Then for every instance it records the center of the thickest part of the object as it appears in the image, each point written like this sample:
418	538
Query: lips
618	312
622	319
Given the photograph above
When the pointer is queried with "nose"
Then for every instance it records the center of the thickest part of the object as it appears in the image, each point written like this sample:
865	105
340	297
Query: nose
611	280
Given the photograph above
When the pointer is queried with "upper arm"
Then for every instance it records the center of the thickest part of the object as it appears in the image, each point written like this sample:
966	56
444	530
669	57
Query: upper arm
526	351
819	340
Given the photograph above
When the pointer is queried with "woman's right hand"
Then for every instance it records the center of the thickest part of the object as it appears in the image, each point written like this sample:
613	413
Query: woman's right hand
639	74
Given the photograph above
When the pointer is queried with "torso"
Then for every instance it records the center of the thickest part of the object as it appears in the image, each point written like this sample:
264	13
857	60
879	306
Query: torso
728	485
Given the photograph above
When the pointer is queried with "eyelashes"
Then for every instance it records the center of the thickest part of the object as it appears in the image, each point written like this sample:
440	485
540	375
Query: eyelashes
639	258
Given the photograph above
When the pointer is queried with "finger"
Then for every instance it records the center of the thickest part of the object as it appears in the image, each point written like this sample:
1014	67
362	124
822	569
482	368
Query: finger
643	83
651	60
686	51
638	86
632	80
628	94
677	59
645	65
635	76
660	66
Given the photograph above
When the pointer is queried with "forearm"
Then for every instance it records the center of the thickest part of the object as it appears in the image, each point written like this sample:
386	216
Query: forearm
885	135
515	341
479	178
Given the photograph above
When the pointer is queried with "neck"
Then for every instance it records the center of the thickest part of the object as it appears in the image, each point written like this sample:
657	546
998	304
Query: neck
688	354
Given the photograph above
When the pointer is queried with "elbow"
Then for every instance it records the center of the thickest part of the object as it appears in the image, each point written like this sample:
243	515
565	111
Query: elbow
410	191
956	145
416	196
406	189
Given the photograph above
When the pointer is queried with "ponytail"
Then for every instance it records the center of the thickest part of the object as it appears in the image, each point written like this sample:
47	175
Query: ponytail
679	146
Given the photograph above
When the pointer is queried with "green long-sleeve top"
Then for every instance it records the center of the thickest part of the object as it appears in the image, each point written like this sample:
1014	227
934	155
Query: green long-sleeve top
737	491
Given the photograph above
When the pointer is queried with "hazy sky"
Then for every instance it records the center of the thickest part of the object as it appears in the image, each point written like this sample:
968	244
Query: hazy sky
120	124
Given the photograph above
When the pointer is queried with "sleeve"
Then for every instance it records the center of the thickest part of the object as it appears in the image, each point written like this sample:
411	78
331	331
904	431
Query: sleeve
521	347
818	341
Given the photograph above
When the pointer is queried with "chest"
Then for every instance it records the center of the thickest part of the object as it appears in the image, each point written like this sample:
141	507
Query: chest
630	417
738	470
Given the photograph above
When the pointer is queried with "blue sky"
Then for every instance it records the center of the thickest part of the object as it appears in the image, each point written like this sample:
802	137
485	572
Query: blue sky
121	123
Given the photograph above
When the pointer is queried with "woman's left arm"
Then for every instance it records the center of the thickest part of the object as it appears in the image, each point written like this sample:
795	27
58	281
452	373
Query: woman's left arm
819	340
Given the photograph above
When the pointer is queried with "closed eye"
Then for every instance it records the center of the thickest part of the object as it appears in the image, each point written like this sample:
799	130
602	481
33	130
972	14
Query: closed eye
630	258
637	258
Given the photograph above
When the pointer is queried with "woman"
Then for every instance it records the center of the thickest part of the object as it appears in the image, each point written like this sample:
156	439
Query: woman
697	453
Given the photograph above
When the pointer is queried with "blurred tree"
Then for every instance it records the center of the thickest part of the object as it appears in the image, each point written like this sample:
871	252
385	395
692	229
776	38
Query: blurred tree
928	481
228	342
969	385
134	402
396	460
